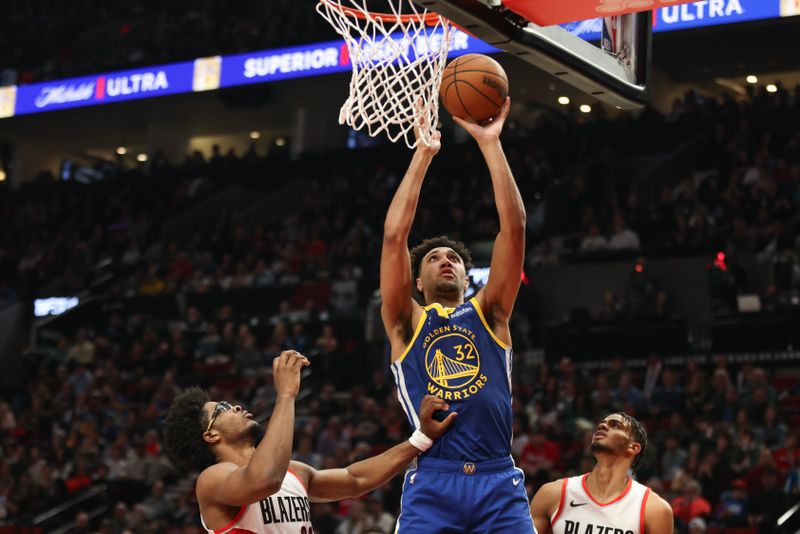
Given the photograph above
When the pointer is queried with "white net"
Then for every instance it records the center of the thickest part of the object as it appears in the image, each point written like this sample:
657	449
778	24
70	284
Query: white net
398	57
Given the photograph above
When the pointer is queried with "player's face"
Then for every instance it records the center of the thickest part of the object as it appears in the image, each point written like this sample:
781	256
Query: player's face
612	435
230	420
442	269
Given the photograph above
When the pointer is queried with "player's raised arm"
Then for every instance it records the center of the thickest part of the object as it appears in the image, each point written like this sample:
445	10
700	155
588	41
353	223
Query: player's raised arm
366	475
395	262
228	484
498	296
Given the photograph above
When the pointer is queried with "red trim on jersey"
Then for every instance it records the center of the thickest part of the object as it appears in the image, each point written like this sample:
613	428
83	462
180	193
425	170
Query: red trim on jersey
298	478
641	512
561	502
598	503
233	522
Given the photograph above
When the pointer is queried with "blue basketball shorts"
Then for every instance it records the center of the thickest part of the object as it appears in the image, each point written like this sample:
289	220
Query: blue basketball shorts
443	496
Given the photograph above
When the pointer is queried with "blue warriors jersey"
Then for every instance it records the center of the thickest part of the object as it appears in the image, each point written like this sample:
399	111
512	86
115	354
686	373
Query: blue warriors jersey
455	356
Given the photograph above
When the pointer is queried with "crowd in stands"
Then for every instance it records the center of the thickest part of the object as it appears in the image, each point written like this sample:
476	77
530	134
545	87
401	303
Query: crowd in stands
57	233
46	40
723	444
741	198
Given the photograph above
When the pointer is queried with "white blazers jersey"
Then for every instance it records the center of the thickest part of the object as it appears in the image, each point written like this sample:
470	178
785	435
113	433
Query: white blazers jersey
580	513
284	512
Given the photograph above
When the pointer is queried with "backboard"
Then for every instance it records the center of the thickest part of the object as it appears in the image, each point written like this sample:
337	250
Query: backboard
615	71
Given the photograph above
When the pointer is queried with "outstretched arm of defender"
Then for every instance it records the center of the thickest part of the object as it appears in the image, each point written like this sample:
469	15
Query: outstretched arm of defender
498	296
231	485
366	475
395	262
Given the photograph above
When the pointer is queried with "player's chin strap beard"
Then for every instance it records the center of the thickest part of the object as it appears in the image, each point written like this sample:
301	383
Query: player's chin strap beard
599	447
447	287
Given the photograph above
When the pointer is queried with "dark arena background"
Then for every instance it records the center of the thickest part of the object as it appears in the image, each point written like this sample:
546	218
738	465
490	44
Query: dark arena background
178	204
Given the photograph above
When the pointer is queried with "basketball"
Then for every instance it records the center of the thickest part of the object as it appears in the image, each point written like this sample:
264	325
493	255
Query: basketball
474	86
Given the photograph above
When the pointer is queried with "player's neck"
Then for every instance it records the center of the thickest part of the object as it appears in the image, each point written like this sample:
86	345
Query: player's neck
446	301
608	479
238	454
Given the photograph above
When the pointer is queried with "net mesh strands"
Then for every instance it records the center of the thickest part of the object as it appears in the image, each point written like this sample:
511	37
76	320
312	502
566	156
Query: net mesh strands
398	57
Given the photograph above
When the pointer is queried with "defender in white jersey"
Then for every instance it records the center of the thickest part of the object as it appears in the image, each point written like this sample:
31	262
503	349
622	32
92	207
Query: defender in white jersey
285	512
606	500
244	488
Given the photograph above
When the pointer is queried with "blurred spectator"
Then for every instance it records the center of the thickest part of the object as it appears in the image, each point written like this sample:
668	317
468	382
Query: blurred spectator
697	526
156	505
668	397
377	517
771	431
732	508
7	420
611	307
690	504
594	240
82	524
673	459
767	504
306	454
628	397
540	455
623	238
82	351
356	522
788	456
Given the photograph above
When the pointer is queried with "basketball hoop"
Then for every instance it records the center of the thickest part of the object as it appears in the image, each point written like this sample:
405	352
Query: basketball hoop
398	58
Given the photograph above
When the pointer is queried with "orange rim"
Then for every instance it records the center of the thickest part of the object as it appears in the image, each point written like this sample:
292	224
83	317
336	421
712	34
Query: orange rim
430	19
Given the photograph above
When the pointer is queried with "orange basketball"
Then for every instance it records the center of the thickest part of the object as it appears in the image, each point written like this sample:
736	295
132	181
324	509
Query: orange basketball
474	86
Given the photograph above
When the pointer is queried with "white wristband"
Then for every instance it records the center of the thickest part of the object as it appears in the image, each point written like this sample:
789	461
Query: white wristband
420	441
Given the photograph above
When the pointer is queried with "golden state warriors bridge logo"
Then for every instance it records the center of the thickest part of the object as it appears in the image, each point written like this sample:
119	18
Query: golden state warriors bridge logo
453	363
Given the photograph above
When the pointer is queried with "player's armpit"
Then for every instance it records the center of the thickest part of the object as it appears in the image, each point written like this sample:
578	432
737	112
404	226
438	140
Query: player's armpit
230	485
658	517
544	504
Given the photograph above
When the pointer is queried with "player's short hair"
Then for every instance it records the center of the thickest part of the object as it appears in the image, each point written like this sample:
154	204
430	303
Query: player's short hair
639	435
419	252
184	427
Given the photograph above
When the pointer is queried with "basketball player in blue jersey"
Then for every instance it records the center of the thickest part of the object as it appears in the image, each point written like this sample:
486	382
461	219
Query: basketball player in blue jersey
459	351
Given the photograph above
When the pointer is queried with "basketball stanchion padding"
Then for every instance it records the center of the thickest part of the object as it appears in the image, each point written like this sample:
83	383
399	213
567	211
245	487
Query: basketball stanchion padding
397	57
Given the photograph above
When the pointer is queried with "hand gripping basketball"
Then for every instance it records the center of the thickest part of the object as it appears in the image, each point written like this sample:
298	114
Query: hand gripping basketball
489	130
